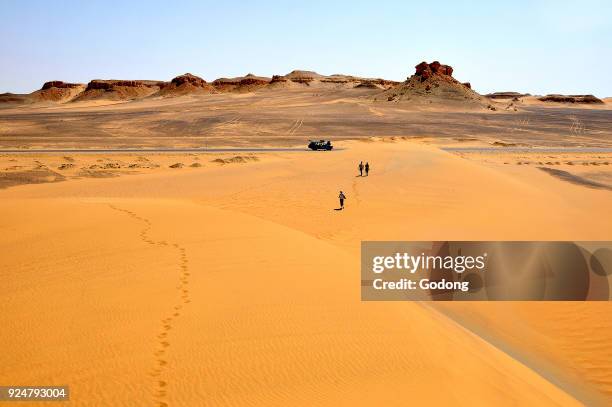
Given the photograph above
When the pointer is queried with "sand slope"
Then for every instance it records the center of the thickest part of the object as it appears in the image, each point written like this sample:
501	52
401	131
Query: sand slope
274	326
238	284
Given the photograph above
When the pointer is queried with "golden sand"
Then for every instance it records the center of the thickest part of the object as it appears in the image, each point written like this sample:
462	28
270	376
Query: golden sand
237	283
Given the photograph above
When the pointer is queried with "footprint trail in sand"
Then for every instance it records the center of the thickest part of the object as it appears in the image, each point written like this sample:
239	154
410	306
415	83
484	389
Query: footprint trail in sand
162	337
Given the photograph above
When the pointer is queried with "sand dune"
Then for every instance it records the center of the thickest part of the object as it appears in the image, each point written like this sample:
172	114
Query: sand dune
541	334
230	336
238	284
230	279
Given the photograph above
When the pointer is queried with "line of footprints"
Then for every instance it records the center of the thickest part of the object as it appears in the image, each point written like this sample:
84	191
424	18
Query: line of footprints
157	372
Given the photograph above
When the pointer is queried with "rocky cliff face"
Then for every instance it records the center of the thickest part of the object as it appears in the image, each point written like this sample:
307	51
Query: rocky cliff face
246	83
113	84
187	84
113	89
431	82
60	85
51	92
426	71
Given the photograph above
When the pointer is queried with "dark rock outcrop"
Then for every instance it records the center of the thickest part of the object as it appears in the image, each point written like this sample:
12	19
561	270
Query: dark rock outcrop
506	95
278	78
433	82
60	85
426	71
246	83
253	81
186	84
113	83
583	99
189	79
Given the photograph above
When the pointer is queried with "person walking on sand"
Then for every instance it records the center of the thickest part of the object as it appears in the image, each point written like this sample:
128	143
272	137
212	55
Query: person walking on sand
342	197
361	168
367	168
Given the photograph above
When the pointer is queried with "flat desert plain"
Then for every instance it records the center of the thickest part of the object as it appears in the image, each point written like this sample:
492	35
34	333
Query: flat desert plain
227	278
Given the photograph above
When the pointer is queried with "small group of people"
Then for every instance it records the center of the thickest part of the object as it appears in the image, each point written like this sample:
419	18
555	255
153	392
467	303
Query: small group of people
365	167
361	167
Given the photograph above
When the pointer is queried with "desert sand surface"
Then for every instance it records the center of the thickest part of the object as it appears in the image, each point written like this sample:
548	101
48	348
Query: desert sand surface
231	278
236	282
286	117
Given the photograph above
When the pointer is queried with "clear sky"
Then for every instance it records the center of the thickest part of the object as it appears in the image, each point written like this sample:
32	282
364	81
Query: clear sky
527	46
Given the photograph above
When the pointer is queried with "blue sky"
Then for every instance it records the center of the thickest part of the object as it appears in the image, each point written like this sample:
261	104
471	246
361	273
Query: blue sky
528	46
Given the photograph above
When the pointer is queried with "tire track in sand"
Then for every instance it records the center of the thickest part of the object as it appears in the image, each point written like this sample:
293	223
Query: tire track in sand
162	338
295	127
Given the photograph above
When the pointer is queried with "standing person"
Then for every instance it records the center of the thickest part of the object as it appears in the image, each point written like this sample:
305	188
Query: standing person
342	197
367	168
361	168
